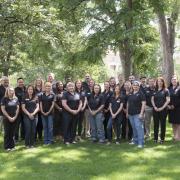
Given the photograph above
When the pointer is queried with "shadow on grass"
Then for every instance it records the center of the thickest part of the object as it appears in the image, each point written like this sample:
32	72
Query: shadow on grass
92	161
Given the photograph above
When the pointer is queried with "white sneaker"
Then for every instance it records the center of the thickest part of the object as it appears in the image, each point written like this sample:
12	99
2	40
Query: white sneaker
140	146
132	143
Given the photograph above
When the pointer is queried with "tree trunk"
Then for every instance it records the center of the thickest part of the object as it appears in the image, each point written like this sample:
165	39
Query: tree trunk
168	64
167	32
125	50
126	61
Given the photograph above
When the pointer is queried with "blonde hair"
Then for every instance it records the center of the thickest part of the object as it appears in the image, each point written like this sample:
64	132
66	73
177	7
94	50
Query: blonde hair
47	84
7	92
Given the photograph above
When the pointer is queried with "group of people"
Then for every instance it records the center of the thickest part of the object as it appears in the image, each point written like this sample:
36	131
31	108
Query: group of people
123	110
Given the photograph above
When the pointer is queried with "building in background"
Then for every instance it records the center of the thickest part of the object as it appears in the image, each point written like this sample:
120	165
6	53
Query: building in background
113	63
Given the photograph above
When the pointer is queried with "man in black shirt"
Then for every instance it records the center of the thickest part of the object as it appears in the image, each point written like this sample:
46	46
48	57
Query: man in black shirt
148	92
3	86
20	93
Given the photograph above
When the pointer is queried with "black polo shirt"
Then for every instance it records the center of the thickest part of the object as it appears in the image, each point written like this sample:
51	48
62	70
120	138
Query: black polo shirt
2	92
174	96
73	100
30	104
95	102
47	101
160	97
148	92
85	86
135	102
59	99
82	95
10	105
107	98
20	93
116	103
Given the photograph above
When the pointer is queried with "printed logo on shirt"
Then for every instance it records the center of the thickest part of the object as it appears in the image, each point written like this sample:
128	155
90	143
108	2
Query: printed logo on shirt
76	97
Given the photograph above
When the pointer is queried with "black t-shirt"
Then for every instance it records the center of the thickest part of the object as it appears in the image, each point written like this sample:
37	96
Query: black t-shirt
20	93
116	103
142	88
85	86
47	101
73	100
148	92
107	98
10	105
2	92
59	99
95	102
30	104
82	95
175	96
135	102
160	97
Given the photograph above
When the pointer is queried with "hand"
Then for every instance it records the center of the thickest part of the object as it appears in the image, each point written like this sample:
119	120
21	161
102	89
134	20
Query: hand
169	107
31	116
105	110
156	109
141	116
11	119
60	109
127	115
160	109
113	116
172	107
74	112
93	113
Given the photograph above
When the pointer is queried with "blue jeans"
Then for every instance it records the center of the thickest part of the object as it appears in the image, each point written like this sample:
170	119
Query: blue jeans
48	128
97	127
138	129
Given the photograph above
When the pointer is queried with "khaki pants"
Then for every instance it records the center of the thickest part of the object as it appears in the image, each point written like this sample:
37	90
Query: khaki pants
147	120
86	123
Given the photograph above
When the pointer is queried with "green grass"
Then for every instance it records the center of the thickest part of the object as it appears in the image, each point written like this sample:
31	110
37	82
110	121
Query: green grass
92	161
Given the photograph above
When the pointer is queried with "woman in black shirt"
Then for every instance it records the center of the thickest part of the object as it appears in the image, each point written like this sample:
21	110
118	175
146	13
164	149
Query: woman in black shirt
115	107
72	104
47	100
126	125
174	108
81	92
39	88
96	105
107	97
160	100
10	110
58	131
30	107
135	112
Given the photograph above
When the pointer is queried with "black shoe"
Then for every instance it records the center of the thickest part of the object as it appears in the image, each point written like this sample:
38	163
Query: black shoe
161	142
155	141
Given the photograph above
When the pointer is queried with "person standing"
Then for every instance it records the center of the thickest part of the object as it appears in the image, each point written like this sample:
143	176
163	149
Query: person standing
4	85
107	97
39	88
47	100
127	131
58	121
148	92
96	117
135	112
30	107
174	108
160	100
72	105
116	110
81	92
10	110
20	93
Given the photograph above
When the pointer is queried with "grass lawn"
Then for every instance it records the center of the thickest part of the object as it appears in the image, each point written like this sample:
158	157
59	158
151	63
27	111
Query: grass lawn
92	161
